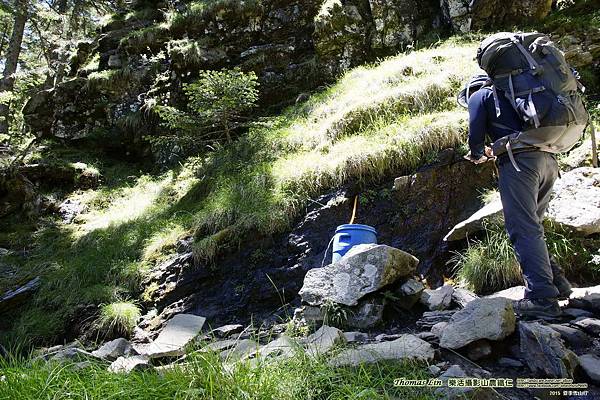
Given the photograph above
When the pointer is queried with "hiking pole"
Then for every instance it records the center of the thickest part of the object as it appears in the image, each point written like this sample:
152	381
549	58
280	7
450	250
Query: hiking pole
594	148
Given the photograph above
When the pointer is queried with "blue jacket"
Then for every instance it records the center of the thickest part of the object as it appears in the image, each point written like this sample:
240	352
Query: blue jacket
482	112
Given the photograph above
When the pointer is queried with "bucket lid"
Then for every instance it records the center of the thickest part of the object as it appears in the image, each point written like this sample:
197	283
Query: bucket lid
356	227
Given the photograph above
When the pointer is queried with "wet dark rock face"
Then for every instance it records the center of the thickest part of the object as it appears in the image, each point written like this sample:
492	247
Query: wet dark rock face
255	281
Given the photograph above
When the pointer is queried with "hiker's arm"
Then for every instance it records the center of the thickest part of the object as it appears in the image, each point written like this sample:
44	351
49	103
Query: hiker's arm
477	125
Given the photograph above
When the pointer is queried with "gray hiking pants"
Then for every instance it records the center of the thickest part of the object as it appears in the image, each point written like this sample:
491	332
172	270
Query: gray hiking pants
525	196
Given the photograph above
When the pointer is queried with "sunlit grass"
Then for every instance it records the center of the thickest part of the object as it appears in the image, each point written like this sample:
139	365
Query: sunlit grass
205	376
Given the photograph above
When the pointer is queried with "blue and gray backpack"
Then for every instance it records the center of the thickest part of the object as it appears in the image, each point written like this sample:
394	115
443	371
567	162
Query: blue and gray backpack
543	89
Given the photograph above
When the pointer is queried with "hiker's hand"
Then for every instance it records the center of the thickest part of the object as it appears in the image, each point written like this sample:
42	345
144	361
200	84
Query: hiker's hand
479	160
489	152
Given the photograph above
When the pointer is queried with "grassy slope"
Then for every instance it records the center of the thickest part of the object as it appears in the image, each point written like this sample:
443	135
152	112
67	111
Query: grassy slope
205	377
379	119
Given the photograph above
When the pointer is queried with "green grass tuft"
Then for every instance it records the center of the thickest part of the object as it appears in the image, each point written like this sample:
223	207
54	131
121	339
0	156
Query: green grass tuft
118	319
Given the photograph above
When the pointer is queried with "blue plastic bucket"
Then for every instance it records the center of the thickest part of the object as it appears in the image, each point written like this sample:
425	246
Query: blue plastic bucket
349	235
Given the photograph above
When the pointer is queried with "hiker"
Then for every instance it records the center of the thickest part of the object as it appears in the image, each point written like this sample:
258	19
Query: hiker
529	116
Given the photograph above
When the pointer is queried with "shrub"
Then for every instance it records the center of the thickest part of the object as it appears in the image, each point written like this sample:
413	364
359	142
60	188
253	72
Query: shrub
490	264
118	318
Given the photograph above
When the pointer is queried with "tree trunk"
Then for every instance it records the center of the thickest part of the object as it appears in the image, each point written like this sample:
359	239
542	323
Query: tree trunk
12	57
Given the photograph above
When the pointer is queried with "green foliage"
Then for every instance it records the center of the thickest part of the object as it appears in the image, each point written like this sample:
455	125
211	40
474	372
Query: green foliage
217	102
118	319
204	376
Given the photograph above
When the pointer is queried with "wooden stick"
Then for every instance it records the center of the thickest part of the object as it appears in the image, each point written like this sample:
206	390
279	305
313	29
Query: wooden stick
594	148
354	210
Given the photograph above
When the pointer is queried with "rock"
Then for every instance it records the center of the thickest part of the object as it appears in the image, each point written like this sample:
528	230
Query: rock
227	330
509	362
575	338
114	61
408	347
129	364
367	314
427	336
340	35
69	209
434	370
490	212
399	22
591	365
462	297
513	293
409	293
16	297
545	352
576	312
352	337
492	319
580	156
324	340
438	299
69	354
313	315
578	57
588	301
589	325
465	16
576	201
282	347
113	349
363	270
575	205
449	392
430	318
438	328
171	341
478	349
240	350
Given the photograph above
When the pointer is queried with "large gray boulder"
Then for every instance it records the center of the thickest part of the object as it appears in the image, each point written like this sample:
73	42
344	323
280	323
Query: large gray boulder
407	347
575	205
545	352
492	319
576	201
364	269
490	212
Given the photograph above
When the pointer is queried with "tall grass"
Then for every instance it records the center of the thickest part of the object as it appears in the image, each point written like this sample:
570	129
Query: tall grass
489	265
204	376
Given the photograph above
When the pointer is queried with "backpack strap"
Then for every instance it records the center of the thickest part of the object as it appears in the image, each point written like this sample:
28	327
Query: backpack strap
530	60
511	156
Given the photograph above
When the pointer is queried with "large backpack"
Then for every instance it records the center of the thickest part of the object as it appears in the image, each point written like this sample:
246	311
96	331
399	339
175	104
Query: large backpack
533	74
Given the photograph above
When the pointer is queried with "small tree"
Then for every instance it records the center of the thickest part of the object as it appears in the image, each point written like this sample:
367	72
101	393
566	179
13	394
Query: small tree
218	103
223	97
